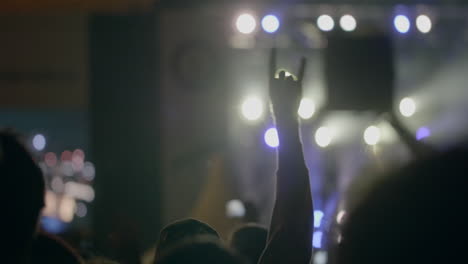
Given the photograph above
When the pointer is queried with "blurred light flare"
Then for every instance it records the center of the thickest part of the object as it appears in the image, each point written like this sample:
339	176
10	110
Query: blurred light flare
325	23
39	142
422	133
372	135
235	209
318	217
340	216
246	23
271	137
321	257
81	210
317	239
50	159
89	172
252	108
79	191
348	23
407	107
402	24
323	136
306	108
270	23
424	24
67	209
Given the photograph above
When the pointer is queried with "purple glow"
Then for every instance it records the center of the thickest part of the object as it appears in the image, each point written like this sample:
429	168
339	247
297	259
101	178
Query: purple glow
422	133
317	239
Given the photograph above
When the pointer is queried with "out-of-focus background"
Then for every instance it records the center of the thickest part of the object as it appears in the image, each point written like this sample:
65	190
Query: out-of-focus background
143	112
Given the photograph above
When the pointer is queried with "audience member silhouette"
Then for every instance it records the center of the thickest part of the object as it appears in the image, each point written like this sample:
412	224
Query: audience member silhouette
249	241
200	250
291	229
416	215
182	230
23	190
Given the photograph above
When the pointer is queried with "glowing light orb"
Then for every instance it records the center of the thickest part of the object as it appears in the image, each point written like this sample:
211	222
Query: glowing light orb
424	24
348	23
325	23
246	23
39	142
323	136
252	108
306	108
271	137
407	107
372	135
402	24
270	23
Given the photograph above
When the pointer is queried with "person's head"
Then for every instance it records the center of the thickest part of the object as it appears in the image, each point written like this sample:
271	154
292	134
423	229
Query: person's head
23	188
181	230
201	250
250	241
415	215
52	250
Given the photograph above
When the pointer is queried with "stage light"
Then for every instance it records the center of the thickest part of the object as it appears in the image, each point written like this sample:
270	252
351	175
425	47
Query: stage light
318	216
252	108
270	23
323	136
325	23
372	135
39	142
424	24
50	159
348	23
422	133
271	137
407	107
306	108
246	23
402	24
317	239
89	171
235	209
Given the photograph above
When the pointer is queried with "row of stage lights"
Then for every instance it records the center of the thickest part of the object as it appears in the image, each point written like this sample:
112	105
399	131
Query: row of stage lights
252	110
247	24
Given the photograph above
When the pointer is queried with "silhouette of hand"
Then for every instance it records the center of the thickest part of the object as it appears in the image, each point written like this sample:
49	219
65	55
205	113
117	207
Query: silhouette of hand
285	92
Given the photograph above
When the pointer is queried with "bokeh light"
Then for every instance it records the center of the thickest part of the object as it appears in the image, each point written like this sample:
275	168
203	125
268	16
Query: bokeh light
50	159
317	239
88	171
235	209
407	107
402	24
39	142
424	24
252	108
270	23
81	210
306	108
318	216
372	135
323	136
348	23
340	216
271	137
321	257
422	133
246	23
325	23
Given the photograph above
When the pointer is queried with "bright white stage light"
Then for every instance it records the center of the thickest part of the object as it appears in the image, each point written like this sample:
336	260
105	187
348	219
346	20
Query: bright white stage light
424	24
235	209
372	135
246	23
39	142
252	108
325	23
306	108
407	107
318	216
271	137
323	136
402	24
348	23
270	23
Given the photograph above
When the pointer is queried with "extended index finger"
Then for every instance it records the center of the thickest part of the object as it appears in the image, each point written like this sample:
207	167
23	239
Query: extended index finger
272	66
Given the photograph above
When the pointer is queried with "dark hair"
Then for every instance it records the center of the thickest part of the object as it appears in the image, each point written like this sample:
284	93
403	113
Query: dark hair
413	216
250	241
24	187
181	230
201	250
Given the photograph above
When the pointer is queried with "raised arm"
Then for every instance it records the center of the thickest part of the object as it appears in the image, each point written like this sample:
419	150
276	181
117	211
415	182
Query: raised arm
291	228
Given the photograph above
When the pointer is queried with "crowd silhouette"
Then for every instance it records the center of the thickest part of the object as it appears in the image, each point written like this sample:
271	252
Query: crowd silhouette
413	215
